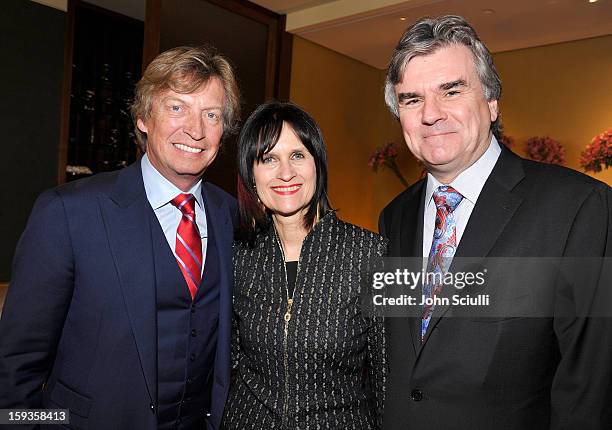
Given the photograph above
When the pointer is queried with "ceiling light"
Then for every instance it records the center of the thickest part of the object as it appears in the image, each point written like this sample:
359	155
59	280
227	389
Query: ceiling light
592	1
488	11
403	18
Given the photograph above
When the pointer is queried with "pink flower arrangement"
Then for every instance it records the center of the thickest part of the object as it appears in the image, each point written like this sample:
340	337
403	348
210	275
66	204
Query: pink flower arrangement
598	153
385	156
545	149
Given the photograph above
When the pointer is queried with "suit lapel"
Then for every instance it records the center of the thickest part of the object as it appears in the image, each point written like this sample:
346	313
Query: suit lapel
411	245
218	220
219	224
126	217
411	226
495	207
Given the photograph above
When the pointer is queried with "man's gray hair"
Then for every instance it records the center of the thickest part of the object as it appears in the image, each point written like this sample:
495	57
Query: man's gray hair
428	35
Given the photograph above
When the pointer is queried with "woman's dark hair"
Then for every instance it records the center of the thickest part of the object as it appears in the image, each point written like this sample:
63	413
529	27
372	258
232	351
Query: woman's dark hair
259	135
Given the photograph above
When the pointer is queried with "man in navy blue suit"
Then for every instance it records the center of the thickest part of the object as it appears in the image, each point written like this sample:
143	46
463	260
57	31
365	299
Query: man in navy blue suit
119	308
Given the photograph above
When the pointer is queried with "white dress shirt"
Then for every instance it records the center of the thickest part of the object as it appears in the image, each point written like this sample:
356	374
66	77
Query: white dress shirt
160	192
469	184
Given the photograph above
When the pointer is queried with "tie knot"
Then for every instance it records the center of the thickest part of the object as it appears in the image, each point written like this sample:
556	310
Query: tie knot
447	198
185	203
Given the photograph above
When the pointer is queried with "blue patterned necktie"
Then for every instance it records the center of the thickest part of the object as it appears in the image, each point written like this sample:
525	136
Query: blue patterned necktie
443	247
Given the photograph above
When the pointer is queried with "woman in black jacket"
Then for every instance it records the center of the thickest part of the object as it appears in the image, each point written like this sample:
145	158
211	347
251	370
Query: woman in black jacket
306	352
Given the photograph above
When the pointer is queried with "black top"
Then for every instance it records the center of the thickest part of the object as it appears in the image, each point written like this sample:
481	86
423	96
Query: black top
291	268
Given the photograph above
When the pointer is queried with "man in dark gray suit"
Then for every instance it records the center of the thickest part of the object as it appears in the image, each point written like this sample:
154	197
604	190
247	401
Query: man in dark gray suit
481	200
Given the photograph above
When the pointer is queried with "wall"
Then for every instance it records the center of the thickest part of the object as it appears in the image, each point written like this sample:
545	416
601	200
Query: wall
197	22
345	97
563	91
32	44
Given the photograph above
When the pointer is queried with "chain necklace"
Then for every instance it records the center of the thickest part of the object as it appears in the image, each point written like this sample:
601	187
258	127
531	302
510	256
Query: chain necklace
287	318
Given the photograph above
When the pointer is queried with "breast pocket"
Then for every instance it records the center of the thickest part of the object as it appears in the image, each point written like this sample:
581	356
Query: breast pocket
505	309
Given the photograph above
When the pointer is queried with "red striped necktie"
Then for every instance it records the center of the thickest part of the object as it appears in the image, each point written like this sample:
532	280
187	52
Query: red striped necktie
188	243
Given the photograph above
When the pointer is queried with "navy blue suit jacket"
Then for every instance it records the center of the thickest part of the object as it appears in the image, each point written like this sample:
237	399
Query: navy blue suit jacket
79	330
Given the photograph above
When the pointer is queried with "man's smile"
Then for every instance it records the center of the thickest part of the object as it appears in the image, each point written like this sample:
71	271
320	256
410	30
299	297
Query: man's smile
187	148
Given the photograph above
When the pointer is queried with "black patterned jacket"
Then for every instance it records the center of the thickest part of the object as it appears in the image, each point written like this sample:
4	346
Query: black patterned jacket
325	367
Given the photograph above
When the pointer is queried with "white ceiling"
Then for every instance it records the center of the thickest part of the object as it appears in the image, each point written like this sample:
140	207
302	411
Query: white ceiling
284	7
367	30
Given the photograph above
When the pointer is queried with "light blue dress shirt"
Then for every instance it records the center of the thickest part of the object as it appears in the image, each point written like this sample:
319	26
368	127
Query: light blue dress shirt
160	192
469	184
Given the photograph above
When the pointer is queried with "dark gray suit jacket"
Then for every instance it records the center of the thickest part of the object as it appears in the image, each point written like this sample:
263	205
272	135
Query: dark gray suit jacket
507	372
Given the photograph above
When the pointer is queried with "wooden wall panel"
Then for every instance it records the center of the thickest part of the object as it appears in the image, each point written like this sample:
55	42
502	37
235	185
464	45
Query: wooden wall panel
32	45
251	37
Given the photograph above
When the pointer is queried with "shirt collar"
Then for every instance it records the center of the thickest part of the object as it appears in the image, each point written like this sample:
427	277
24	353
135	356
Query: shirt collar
160	190
469	183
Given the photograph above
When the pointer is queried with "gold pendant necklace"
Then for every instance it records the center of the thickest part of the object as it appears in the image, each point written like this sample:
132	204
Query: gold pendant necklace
287	318
289	303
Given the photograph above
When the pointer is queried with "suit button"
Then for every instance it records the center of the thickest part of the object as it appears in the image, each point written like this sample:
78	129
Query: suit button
189	381
152	407
416	395
194	332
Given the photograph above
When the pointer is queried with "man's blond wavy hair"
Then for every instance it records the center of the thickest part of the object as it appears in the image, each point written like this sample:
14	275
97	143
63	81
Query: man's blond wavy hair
183	70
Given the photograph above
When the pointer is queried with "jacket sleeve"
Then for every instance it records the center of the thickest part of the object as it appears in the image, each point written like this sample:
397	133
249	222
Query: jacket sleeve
381	224
235	343
581	394
36	305
376	349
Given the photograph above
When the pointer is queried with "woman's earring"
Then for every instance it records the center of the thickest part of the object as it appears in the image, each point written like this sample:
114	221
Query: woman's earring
256	195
